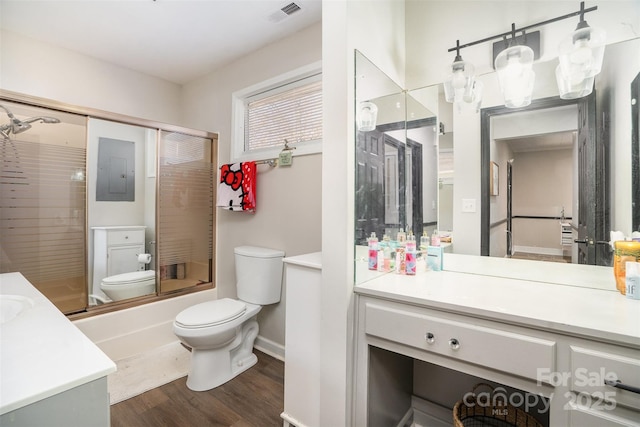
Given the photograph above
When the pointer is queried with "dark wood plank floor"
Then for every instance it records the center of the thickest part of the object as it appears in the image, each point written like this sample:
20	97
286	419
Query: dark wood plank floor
255	398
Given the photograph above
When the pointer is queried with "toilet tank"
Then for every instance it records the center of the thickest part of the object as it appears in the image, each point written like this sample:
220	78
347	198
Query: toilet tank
258	274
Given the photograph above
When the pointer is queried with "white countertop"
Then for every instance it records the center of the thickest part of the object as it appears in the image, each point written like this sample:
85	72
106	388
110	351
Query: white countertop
571	309
312	260
41	352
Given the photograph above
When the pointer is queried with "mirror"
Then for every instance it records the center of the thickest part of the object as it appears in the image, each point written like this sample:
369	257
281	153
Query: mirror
622	161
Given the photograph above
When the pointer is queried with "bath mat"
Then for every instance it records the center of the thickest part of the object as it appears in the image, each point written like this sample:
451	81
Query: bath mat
143	372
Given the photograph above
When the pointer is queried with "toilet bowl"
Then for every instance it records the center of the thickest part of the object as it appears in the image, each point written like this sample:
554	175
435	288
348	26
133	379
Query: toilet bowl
221	332
129	285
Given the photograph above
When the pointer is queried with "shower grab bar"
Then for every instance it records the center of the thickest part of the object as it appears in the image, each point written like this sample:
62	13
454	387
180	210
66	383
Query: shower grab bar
542	217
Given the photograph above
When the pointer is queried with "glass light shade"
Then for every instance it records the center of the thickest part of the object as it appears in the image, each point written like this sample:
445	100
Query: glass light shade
458	84
367	116
516	76
581	53
571	89
474	101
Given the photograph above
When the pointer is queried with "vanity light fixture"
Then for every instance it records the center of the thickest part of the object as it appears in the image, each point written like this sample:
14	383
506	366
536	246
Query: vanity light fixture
581	57
367	116
460	85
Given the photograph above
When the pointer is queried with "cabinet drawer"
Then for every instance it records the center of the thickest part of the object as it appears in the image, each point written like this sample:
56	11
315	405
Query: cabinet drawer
510	352
125	237
589	369
602	417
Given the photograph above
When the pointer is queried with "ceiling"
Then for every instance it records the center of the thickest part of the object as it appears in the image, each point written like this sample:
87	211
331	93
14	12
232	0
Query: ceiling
175	40
549	141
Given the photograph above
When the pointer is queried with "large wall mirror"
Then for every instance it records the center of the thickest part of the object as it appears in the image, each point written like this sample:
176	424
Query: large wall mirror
100	213
529	173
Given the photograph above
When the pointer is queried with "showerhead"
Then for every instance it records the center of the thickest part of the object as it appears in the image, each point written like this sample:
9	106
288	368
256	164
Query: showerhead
18	126
42	119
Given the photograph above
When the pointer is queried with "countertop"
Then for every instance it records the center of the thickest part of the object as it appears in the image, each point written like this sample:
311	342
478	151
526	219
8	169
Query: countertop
41	352
311	260
596	311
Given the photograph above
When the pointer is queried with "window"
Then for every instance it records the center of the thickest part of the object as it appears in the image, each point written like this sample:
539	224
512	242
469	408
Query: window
286	107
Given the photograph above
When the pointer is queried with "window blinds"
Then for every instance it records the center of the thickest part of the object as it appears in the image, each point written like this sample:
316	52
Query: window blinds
294	115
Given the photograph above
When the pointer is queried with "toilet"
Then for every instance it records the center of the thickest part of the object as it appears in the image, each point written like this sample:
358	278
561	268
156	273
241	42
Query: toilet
129	285
221	333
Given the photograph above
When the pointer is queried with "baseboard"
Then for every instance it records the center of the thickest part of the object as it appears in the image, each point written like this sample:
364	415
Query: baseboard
269	347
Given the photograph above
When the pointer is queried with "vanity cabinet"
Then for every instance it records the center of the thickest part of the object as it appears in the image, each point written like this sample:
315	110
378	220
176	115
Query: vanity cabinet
116	250
416	344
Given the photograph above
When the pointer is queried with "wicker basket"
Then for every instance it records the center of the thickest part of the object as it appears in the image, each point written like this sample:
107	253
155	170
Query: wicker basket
482	412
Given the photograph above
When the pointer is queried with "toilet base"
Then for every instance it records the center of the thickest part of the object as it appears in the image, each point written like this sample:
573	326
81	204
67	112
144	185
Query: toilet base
211	368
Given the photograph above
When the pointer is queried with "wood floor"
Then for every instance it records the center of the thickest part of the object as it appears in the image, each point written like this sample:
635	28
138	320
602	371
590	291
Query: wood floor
253	399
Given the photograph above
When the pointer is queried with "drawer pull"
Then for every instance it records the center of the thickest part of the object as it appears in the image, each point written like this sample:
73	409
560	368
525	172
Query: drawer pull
430	338
454	344
619	384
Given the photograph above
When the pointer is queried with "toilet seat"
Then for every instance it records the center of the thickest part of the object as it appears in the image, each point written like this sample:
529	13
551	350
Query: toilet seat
210	313
130	278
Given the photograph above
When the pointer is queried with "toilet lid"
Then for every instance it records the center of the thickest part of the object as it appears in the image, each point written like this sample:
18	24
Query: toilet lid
128	278
211	313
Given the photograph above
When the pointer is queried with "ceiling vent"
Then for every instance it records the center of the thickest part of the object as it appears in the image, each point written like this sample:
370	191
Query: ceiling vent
284	12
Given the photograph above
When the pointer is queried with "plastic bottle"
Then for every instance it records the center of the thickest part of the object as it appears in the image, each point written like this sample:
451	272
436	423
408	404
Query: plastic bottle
435	238
380	263
373	251
402	237
410	255
624	251
386	254
632	280
424	241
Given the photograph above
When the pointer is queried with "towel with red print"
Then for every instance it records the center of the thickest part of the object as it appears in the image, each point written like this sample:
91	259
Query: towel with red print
237	188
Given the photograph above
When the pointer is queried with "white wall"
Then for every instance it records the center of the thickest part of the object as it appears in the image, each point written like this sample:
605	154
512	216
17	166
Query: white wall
377	30
288	206
35	68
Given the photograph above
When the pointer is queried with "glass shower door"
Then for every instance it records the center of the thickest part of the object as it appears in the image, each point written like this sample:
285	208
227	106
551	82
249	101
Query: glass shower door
185	215
43	204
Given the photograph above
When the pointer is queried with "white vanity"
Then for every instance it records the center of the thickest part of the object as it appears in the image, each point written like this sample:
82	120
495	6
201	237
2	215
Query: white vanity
424	341
303	322
51	374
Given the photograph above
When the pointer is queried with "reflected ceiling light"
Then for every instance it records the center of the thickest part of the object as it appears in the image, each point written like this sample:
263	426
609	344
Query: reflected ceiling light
516	76
460	85
367	116
580	57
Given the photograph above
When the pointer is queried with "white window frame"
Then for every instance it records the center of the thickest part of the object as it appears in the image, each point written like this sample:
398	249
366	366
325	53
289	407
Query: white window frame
239	100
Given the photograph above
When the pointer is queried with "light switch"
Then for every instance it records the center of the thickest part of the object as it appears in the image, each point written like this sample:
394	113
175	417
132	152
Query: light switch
468	205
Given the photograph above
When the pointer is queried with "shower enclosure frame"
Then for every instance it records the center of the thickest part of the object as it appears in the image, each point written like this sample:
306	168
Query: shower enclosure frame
28	100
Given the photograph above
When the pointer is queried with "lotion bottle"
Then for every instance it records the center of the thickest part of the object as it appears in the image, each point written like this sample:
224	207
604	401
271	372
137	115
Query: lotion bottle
410	256
373	252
